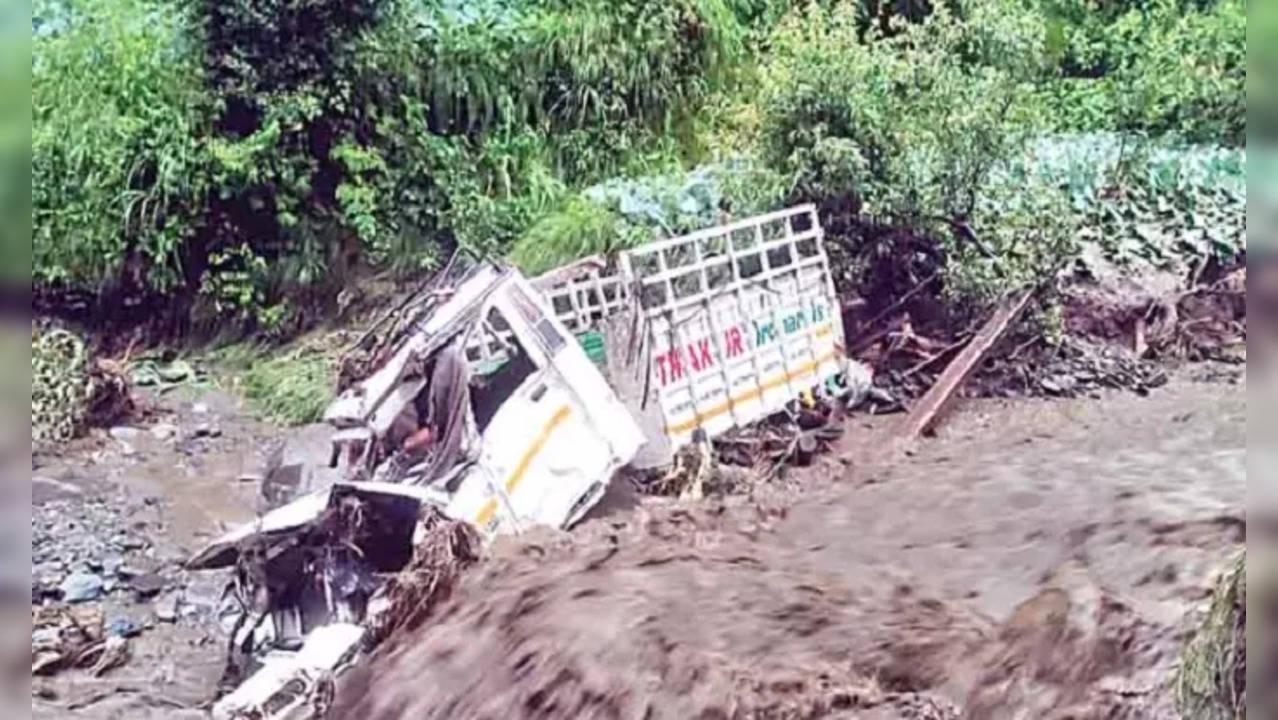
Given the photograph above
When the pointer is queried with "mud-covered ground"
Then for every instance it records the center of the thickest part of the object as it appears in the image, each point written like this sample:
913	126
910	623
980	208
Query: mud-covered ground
1035	560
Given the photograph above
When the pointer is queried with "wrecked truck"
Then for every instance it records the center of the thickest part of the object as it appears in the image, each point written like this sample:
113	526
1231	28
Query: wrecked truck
508	403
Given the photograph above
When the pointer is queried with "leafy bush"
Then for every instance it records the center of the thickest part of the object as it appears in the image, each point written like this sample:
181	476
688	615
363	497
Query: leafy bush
70	388
897	136
15	153
254	150
246	159
622	213
60	385
1153	203
561	65
525	101
580	228
1159	67
118	171
906	125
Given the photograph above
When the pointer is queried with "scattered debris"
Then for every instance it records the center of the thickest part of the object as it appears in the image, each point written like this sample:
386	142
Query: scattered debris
1207	322
929	409
64	637
447	548
289	682
1076	367
153	371
107	655
71	389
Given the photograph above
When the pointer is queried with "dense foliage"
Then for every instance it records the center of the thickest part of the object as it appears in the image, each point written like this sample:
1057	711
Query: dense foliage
239	163
1173	67
117	165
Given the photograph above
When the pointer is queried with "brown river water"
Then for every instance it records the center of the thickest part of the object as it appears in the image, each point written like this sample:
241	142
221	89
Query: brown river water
1037	559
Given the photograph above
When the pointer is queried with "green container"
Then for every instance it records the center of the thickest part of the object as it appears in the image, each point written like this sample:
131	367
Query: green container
592	342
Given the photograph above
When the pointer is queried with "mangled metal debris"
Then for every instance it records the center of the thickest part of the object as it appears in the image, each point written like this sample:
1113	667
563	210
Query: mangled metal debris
503	404
289	683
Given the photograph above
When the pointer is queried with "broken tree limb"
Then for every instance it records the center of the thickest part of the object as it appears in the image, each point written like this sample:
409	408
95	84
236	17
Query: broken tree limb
937	399
900	301
935	357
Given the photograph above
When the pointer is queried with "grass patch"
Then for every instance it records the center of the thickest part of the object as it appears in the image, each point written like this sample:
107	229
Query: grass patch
289	386
1212	681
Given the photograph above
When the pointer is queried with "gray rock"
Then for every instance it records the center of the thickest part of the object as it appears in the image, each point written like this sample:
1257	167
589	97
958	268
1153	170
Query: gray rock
1060	384
200	408
124	433
49	567
111	564
81	587
166	609
126	571
207	430
164	431
147	584
125	541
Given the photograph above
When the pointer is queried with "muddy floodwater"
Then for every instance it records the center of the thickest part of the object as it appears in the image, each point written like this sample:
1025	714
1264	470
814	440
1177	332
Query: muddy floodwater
1037	559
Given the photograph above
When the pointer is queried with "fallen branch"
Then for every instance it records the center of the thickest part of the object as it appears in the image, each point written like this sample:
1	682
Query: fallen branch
930	360
896	304
932	405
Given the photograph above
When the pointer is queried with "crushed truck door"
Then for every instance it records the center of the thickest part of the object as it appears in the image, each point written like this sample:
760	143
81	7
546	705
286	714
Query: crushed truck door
551	444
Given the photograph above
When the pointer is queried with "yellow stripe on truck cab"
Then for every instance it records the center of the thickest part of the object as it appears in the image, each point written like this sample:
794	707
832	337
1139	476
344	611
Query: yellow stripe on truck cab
490	507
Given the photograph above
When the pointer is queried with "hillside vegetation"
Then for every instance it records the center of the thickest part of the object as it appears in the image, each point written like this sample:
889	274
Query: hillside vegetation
199	167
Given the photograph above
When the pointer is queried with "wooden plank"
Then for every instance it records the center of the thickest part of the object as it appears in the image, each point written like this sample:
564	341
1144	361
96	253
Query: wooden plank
929	409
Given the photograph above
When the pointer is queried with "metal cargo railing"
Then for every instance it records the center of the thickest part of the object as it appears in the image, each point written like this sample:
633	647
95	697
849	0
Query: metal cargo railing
740	318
